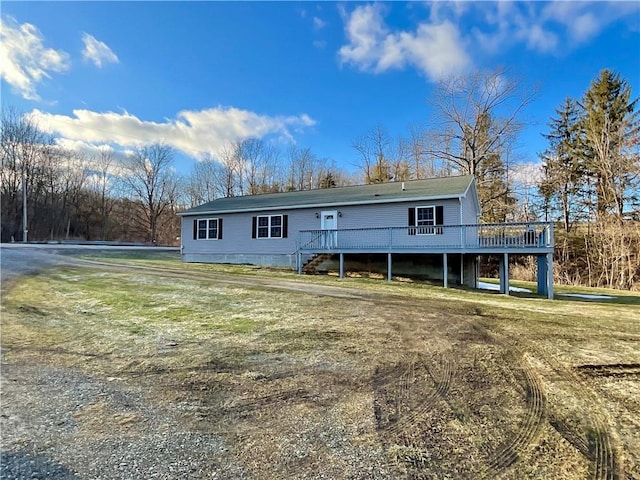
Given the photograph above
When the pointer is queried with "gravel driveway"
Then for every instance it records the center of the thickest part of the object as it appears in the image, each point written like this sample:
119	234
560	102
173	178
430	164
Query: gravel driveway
48	419
44	408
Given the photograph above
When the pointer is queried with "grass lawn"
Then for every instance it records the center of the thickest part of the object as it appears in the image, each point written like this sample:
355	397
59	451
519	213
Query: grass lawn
319	377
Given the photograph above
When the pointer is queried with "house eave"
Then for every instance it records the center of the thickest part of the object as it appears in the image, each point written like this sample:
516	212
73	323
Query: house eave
323	205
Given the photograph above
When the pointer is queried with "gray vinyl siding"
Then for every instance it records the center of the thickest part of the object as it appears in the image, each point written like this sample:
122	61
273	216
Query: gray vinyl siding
236	235
470	212
237	227
470	215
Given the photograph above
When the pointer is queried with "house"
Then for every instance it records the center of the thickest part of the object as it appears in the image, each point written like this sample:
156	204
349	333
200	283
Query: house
426	226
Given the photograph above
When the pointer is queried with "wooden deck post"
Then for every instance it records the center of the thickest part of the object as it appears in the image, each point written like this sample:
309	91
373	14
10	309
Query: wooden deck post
342	265
541	276
445	271
504	274
545	275
389	266
550	276
299	263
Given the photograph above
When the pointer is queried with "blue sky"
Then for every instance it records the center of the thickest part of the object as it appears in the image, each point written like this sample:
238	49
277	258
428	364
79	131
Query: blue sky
197	75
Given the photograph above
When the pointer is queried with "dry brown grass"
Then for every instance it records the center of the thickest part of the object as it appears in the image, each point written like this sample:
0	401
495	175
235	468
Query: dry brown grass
310	377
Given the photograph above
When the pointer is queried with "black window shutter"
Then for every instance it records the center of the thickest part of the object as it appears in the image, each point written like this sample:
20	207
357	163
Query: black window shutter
285	224
439	219
254	226
195	229
412	221
219	229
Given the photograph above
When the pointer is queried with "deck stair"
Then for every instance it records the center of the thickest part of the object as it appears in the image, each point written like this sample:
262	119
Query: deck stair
310	267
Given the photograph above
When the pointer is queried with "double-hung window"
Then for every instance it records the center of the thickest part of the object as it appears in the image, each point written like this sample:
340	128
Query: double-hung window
270	226
207	229
426	220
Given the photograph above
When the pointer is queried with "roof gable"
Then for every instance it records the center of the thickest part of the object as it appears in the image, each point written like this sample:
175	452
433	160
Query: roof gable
427	189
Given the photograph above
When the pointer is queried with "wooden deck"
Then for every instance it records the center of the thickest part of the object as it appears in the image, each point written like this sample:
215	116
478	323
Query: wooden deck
503	239
525	238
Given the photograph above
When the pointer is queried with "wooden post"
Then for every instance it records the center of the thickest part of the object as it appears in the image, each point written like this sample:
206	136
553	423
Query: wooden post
299	263
545	275
445	271
550	276
342	265
504	274
389	266
541	277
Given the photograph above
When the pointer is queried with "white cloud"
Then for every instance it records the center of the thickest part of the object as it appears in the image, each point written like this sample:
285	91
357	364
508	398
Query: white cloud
90	154
584	27
527	173
537	38
435	49
24	60
97	52
546	27
318	23
192	132
453	32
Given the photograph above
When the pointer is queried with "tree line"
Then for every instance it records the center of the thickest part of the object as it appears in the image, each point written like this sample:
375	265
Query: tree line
588	182
108	196
591	184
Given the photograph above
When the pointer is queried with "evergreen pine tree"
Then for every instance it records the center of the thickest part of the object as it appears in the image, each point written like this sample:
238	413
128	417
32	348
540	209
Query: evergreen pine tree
610	135
563	170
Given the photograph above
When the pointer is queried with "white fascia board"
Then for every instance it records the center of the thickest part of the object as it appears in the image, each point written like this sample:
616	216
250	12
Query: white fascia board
323	205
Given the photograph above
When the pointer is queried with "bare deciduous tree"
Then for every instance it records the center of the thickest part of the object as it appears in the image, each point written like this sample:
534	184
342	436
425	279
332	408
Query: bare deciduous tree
478	120
23	148
463	104
375	148
152	182
302	168
104	181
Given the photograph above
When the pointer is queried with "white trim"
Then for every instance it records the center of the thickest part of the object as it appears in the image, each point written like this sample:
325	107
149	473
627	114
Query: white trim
268	226
207	228
433	226
323	218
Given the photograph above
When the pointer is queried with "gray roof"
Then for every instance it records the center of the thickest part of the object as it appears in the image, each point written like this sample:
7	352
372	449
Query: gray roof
428	189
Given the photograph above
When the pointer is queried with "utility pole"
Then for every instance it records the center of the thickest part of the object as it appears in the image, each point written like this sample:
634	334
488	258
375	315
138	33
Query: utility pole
24	207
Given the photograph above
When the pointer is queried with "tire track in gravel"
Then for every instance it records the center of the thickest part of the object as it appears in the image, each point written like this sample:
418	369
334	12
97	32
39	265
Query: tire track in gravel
403	403
536	406
597	445
402	390
509	454
441	383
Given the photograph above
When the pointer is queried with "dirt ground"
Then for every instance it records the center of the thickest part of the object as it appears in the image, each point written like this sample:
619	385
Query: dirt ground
304	379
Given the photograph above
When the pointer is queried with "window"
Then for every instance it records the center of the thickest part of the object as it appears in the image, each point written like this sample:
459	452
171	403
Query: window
263	227
426	220
207	229
270	226
276	226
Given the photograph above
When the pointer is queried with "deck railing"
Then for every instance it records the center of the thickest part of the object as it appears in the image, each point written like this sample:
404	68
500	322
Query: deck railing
477	237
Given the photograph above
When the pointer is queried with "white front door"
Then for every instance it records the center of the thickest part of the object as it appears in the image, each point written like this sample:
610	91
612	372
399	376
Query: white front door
329	222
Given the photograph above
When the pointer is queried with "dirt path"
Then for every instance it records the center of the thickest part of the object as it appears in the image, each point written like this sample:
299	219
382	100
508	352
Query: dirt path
18	261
